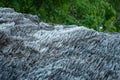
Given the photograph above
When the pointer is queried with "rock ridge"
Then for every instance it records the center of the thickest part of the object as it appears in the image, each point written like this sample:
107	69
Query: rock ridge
33	50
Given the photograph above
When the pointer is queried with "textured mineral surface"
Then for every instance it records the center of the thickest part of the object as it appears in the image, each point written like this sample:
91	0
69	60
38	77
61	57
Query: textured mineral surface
34	50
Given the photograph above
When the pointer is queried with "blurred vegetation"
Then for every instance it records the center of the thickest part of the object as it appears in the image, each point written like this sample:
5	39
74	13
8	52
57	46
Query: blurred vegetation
101	15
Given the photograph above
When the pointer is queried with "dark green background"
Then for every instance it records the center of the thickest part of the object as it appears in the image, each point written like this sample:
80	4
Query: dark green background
89	13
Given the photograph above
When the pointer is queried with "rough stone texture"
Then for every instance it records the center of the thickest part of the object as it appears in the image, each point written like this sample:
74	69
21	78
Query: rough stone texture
34	50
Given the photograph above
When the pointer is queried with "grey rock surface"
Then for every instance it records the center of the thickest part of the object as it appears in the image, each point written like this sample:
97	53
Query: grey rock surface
34	50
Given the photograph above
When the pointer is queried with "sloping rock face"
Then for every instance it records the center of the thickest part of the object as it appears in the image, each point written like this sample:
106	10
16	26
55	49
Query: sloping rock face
34	50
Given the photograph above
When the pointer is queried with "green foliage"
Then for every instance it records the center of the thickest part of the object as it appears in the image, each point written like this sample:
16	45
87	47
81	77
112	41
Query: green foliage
89	13
95	13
